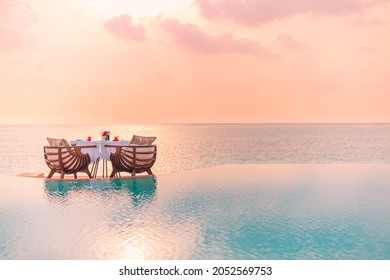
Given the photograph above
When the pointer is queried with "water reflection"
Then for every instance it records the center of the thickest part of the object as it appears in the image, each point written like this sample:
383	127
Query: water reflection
226	212
139	190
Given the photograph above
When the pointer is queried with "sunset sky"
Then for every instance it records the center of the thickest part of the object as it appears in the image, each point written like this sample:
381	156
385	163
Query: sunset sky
194	61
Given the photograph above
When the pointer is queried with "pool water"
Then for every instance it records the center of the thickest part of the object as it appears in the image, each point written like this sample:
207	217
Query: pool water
274	211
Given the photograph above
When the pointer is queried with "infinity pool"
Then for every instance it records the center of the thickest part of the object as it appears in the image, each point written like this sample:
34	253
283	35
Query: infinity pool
225	212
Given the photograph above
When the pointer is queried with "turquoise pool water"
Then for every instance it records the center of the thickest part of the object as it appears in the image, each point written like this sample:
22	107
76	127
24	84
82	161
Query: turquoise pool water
270	211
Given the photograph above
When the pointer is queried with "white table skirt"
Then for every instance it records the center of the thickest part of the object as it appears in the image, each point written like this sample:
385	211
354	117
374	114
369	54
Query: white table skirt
100	151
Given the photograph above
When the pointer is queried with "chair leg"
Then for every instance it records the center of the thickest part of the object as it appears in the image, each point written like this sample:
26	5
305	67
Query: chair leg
75	175
52	171
112	173
89	174
62	175
149	172
105	168
95	168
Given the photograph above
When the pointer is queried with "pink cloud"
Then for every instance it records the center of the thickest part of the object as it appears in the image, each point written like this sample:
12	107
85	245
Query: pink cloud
7	7
191	38
367	49
15	18
11	39
123	28
288	42
4	5
260	11
364	23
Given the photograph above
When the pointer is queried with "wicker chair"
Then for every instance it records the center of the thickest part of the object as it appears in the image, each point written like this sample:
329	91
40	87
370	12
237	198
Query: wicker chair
132	159
67	160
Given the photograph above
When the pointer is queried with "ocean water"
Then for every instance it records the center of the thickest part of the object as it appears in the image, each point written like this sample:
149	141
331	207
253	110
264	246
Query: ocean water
265	211
255	191
188	147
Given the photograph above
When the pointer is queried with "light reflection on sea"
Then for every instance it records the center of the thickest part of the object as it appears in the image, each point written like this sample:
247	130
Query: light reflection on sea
225	212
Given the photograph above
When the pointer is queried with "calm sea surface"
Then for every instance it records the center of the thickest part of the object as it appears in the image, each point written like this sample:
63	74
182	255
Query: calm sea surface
242	211
187	147
274	192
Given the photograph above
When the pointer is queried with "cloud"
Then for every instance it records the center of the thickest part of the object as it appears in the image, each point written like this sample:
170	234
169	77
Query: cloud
15	18
364	23
367	49
189	37
253	12
9	6
4	6
123	28
11	39
288	42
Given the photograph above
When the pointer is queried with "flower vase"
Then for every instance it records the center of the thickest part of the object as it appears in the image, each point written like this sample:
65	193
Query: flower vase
103	137
108	137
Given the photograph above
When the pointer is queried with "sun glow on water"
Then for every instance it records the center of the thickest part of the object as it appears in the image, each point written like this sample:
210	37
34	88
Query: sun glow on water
133	252
226	212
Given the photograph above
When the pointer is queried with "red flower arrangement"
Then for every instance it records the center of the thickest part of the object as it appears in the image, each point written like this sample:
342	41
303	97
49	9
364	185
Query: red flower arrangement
105	135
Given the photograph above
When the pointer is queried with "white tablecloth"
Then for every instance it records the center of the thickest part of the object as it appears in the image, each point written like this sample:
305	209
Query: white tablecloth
100	151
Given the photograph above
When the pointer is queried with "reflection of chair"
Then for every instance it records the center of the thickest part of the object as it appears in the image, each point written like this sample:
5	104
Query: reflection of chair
140	190
67	160
133	158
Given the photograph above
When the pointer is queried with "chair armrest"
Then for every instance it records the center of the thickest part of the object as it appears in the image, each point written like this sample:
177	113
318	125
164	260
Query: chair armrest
132	147
78	149
116	147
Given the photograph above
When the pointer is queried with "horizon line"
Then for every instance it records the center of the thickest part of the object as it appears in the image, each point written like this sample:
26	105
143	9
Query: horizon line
190	123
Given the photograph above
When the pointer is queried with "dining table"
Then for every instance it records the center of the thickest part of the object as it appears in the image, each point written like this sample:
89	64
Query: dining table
101	152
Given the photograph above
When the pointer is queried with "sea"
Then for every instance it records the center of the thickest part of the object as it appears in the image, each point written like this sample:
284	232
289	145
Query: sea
221	192
194	146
